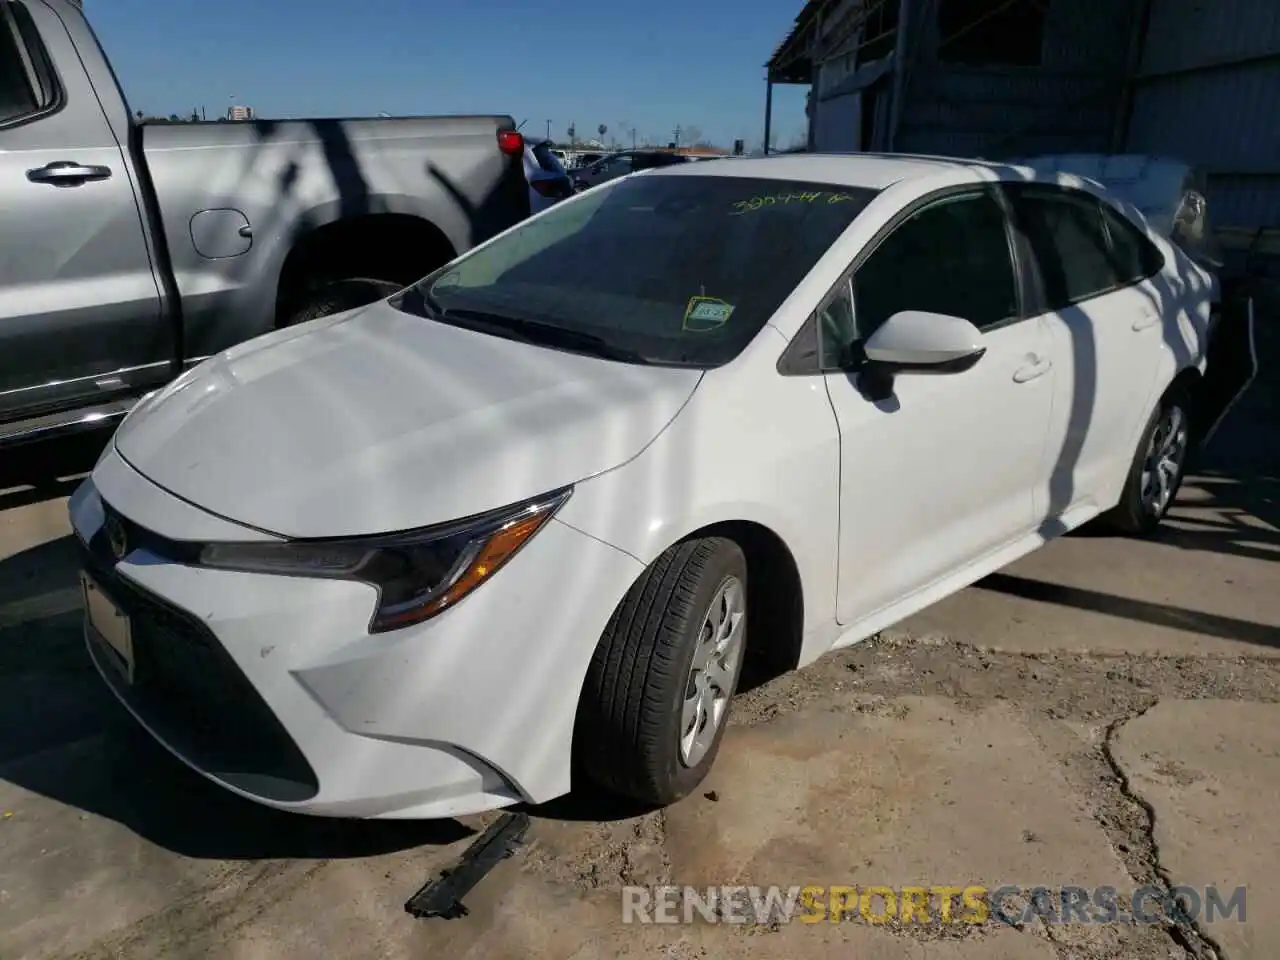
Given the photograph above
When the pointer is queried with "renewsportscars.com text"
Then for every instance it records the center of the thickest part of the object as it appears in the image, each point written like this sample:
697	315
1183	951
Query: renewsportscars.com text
947	904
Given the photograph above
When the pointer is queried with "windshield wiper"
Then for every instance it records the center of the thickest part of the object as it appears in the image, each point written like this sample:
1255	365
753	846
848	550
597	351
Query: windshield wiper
544	334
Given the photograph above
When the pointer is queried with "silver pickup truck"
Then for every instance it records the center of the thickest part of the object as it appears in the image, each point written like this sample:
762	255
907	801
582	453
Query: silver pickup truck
130	251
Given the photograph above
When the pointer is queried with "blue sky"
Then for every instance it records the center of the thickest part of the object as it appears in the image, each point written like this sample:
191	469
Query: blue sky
652	64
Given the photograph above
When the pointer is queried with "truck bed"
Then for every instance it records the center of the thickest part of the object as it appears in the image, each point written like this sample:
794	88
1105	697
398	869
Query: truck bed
286	177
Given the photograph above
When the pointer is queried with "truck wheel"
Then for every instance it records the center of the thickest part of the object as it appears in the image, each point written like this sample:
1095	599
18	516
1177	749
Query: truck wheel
1158	467
337	296
656	698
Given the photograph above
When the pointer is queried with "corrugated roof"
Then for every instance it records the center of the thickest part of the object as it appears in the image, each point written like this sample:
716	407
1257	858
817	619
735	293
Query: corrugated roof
806	14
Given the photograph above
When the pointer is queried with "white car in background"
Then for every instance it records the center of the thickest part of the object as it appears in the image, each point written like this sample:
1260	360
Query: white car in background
529	518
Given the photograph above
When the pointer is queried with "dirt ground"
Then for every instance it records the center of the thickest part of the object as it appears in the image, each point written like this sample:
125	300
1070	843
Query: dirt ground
1103	713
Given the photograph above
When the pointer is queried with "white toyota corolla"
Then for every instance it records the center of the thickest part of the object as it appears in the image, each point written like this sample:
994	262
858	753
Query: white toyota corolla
528	519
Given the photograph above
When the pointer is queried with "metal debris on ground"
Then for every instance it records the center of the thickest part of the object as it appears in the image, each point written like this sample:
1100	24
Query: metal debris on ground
442	897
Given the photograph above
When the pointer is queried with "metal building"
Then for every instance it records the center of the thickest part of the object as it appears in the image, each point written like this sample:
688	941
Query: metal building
1196	80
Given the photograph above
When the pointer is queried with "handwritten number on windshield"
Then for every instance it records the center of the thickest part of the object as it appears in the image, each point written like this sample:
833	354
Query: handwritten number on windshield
739	207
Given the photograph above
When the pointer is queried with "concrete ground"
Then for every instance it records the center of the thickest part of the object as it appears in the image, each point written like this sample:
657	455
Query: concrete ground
1103	713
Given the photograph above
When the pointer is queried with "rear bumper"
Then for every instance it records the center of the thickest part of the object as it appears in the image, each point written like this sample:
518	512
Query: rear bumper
271	687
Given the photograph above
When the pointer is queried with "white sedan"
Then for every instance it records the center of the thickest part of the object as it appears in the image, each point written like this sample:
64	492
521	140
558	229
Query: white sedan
527	520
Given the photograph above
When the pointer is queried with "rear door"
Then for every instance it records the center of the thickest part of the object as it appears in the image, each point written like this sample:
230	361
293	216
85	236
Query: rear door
80	308
1106	324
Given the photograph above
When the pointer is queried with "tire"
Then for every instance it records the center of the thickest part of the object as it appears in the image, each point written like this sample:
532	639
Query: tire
337	296
1139	511
630	736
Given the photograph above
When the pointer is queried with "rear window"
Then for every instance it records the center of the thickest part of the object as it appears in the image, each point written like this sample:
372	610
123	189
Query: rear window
671	270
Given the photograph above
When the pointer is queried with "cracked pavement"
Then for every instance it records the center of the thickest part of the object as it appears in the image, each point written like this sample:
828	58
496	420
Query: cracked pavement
1103	713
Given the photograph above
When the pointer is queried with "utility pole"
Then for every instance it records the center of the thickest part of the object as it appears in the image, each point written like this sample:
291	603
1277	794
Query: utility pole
677	140
548	129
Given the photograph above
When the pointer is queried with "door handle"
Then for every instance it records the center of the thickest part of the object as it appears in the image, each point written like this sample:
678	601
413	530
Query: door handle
1145	319
1038	367
67	173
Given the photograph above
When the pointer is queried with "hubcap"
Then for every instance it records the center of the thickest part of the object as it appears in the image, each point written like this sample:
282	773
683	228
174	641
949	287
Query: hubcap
1163	464
713	672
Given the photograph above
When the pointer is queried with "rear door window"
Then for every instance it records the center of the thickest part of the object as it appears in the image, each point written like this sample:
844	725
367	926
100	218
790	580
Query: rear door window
1069	243
20	87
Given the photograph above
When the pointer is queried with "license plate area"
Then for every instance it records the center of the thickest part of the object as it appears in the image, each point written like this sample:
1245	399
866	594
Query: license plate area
111	625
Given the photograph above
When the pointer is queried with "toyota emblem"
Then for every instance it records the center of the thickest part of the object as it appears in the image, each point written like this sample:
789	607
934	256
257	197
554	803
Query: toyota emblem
117	539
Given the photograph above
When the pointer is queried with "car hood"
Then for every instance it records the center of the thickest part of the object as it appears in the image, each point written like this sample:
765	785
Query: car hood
376	421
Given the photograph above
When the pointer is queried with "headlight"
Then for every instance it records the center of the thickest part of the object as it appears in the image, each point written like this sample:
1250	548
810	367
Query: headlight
418	574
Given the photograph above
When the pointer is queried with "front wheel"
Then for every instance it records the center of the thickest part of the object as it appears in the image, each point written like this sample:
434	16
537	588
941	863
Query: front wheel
1158	467
656	698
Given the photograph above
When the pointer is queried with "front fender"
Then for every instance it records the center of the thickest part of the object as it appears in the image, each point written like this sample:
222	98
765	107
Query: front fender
767	454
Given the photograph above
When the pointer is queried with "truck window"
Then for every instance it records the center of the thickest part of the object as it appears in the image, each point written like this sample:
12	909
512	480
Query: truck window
26	78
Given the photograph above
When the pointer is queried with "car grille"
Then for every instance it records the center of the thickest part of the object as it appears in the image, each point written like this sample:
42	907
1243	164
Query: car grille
191	693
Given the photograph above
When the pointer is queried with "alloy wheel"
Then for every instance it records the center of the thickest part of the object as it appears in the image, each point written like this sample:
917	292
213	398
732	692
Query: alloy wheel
1166	455
714	671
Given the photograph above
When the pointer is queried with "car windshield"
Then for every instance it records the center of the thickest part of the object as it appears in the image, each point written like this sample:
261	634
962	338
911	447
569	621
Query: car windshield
679	270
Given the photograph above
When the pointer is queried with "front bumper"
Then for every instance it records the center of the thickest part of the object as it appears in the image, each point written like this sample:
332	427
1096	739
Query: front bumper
272	687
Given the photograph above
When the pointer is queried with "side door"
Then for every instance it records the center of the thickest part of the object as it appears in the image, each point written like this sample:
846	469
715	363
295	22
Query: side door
80	307
940	476
1107	334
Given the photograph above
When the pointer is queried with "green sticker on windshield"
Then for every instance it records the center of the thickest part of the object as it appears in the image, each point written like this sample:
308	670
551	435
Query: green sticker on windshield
706	313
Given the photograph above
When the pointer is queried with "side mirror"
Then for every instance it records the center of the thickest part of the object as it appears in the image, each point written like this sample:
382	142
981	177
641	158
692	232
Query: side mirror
927	342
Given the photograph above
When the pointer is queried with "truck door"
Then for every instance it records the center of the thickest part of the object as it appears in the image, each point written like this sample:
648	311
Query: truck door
81	315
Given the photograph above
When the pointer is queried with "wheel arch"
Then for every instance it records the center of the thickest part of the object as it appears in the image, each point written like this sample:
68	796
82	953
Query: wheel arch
777	613
391	246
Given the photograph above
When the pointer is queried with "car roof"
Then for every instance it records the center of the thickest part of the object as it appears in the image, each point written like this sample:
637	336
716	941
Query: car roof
873	171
